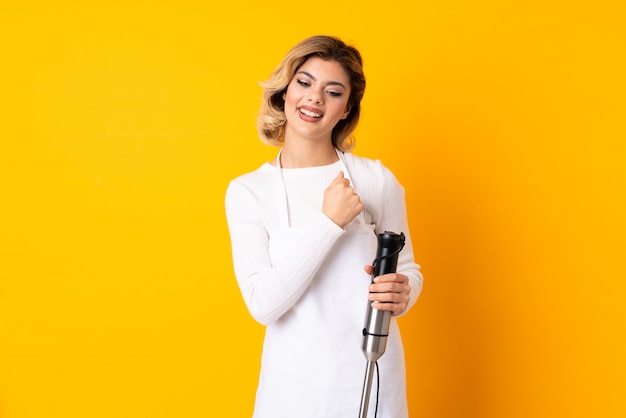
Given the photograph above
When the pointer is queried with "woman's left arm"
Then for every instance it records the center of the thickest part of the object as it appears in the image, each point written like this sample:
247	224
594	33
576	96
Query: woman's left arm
396	292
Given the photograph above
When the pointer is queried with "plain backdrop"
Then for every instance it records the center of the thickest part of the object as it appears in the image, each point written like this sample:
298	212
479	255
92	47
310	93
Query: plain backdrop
122	122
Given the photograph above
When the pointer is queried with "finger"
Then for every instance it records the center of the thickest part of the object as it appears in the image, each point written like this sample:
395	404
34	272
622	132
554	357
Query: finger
386	288
369	269
340	176
395	308
391	278
390	287
340	179
389	297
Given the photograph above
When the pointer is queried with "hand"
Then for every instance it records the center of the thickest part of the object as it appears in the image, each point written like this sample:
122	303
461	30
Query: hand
341	203
389	292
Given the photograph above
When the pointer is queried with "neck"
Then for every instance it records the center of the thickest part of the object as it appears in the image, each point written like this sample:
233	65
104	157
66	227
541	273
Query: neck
307	156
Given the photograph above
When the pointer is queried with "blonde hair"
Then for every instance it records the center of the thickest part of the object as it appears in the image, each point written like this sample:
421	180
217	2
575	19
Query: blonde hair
271	120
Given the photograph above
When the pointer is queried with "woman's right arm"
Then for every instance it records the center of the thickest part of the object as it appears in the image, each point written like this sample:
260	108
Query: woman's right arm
271	289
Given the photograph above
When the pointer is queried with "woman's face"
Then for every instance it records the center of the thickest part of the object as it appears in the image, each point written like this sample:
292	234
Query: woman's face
316	99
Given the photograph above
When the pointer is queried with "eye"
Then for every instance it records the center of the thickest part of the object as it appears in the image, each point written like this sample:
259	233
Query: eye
334	93
302	83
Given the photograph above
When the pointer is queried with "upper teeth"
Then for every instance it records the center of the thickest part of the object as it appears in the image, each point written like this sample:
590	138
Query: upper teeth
311	114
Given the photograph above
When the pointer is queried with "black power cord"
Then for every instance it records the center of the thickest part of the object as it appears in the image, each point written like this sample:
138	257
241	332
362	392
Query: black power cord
377	388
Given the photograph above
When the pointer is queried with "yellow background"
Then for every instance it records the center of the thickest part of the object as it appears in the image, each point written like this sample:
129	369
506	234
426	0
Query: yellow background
121	123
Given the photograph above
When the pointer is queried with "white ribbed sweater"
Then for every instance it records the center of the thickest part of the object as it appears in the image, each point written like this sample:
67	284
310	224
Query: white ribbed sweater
252	209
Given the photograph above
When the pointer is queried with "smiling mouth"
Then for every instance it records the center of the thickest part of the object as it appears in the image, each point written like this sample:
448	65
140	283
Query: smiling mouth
310	114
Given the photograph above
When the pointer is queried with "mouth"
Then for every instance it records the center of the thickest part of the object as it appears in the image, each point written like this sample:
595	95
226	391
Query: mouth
310	113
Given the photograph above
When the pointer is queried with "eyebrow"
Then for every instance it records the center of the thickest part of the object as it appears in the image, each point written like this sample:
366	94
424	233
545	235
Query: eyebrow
333	83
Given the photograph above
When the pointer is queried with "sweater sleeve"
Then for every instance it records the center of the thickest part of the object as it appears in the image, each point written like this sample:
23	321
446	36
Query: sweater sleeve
393	217
271	289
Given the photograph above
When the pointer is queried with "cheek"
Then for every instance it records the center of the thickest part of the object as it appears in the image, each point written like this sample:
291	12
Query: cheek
343	110
290	96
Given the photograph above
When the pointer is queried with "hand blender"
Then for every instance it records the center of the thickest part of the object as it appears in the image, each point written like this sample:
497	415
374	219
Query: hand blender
376	327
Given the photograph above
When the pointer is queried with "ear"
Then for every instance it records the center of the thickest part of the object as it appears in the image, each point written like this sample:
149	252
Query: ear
346	113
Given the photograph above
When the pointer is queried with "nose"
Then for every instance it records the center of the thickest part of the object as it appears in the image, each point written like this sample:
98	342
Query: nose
314	97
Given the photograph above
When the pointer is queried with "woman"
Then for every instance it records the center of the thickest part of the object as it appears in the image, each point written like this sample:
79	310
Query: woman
303	227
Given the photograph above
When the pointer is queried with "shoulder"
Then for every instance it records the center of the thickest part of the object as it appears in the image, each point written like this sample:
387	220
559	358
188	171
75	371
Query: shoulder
253	185
373	179
254	179
368	168
362	166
